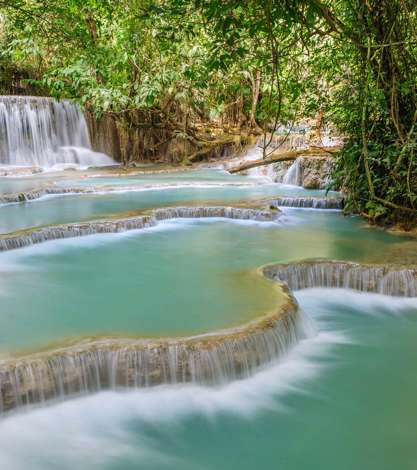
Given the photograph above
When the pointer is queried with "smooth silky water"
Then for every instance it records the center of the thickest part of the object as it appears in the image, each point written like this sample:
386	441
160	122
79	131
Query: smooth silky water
210	186
93	177
180	277
344	398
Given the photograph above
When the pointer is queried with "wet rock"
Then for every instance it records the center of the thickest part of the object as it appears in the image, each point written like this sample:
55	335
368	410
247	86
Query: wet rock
313	172
316	172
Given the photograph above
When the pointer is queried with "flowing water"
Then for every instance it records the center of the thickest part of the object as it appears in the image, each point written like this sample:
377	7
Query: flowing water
140	193
43	132
343	397
293	175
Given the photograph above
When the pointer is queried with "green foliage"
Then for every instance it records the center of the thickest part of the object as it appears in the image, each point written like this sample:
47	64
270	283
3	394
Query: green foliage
183	63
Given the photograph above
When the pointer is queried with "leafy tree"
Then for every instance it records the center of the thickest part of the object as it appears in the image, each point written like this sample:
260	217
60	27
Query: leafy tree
365	53
187	65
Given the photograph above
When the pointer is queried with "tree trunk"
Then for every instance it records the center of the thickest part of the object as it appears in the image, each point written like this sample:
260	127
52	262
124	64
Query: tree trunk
285	157
256	86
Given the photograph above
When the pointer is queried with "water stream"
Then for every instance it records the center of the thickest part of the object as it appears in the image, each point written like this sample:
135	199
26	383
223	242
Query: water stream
346	396
42	132
342	395
140	193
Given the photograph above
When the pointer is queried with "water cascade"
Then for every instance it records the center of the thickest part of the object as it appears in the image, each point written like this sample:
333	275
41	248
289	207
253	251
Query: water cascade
294	174
33	194
94	365
237	213
54	190
43	234
281	143
310	202
43	132
383	279
91	365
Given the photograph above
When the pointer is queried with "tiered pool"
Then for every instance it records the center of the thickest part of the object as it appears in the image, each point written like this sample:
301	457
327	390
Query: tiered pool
341	398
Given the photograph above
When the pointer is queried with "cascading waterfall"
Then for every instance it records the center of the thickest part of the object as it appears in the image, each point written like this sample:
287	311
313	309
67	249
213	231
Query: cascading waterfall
279	143
310	202
382	279
99	364
237	213
33	194
294	174
91	366
43	132
43	234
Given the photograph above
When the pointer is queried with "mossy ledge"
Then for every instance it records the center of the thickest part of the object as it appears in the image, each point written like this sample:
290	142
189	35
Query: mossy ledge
108	363
387	279
145	220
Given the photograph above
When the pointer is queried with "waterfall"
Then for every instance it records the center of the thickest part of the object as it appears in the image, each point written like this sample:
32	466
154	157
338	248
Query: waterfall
236	213
57	232
44	234
294	174
310	202
280	143
33	194
94	365
382	279
43	132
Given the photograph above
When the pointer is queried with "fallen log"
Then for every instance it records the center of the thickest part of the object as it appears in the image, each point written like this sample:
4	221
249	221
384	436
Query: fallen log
290	155
206	146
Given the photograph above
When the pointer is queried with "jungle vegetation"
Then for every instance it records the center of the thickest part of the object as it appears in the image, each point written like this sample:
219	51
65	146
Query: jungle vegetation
243	65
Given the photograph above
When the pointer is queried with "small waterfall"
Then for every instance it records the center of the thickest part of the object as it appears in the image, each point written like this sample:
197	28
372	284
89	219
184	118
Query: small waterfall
310	202
38	193
282	143
43	234
36	131
381	279
294	175
236	213
91	366
33	194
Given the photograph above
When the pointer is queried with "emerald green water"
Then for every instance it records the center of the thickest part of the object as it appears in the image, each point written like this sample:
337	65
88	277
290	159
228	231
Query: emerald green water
171	281
343	399
180	278
176	177
66	209
104	177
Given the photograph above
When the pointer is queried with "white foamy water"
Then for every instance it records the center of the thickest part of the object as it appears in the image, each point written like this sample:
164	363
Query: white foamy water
268	173
322	300
119	189
89	433
264	173
98	431
43	132
14	260
293	177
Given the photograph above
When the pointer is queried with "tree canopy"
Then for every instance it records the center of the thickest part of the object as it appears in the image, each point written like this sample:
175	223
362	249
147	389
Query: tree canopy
243	64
